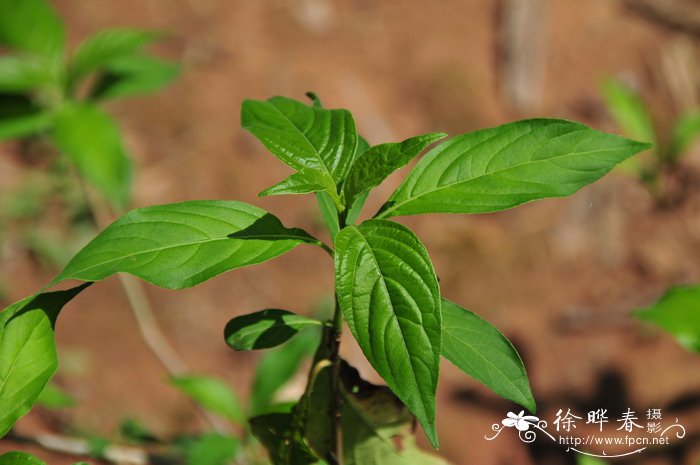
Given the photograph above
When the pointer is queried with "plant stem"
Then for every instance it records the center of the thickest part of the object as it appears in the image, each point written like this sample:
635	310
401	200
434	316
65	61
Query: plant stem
334	351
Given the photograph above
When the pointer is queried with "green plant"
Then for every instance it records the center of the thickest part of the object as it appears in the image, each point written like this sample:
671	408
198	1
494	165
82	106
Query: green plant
385	286
677	312
635	119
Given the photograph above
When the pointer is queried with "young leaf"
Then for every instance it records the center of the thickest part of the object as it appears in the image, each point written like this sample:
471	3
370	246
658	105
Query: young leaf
377	427
278	366
678	312
133	75
375	164
183	244
32	26
303	136
20	117
388	292
329	212
91	140
28	352
305	181
685	131
212	394
106	45
23	73
210	449
480	350
19	458
629	111
502	167
54	398
265	329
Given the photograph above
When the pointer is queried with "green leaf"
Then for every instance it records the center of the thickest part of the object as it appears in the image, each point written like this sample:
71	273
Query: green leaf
106	45
20	117
480	350
212	394
677	312
588	460
629	111
389	295
135	432
32	26
329	212
278	366
355	208
305	181
502	167
377	427
54	398
265	329
210	449
23	73
376	163
134	75
19	458
91	140
28	352
274	431
303	136
685	131
183	244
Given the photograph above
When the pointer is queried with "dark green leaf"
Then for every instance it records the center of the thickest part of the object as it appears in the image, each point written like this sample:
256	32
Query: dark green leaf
32	26
134	431
91	140
183	244
54	398
134	75
265	329
303	136
376	163
377	427
505	166
278	366
388	292
210	449
629	112
480	350
355	208
28	352
685	131
678	312
329	212
106	45
274	431
19	458
20	117
212	394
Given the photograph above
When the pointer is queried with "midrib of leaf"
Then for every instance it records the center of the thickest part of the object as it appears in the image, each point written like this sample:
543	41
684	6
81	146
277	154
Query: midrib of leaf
488	362
394	317
315	150
386	212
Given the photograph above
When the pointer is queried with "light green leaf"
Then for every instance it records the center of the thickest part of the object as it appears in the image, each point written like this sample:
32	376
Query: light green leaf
588	460
91	140
54	398
28	352
23	73
265	329
278	366
389	295
376	163
377	427
505	166
183	244
212	394
629	111
210	449
19	458
329	212
32	26
106	45
134	75
685	131
677	312
20	117
303	136
305	181
480	350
